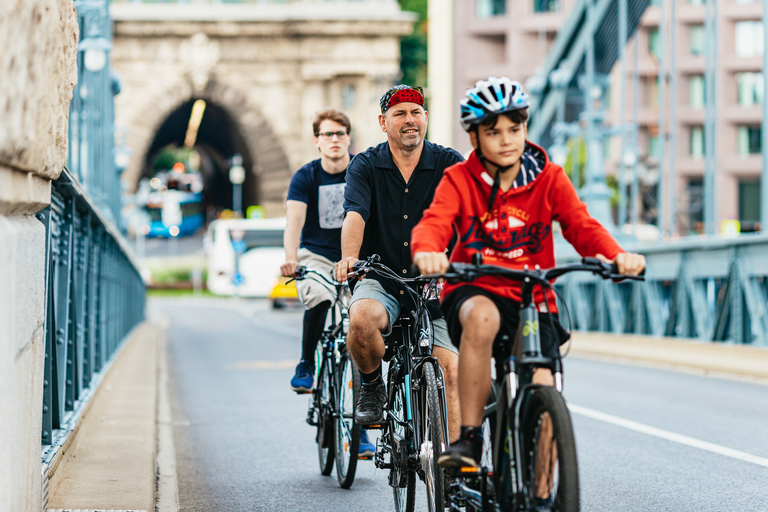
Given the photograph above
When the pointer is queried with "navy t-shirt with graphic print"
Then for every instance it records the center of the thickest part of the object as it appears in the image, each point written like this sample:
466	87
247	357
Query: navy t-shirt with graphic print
323	194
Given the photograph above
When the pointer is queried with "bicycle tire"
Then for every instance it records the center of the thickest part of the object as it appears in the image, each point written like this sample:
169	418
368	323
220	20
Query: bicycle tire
402	479
346	430
322	396
555	454
433	440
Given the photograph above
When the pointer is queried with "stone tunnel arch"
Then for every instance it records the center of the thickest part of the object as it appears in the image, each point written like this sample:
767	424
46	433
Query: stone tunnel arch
231	124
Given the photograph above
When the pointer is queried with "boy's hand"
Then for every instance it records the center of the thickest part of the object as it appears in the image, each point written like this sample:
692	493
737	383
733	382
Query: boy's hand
288	269
343	267
628	263
431	262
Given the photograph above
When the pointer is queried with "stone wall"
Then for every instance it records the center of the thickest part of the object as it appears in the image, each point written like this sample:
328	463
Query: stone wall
37	76
271	76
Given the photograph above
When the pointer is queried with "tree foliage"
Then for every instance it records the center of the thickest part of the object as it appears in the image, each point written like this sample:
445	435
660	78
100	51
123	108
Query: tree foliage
413	47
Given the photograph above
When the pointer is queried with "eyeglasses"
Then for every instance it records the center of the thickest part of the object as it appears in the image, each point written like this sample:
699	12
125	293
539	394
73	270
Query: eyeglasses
329	135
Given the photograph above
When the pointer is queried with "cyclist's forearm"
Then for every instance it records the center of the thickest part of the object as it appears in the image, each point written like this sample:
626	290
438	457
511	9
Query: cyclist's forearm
296	215
352	231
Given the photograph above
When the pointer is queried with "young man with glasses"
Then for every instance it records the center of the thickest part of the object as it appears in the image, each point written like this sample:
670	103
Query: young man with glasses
314	211
388	188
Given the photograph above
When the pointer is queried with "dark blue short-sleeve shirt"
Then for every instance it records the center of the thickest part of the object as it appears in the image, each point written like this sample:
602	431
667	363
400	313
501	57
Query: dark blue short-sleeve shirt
390	206
323	194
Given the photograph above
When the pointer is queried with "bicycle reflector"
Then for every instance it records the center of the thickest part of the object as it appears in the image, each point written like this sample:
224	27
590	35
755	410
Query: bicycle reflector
470	469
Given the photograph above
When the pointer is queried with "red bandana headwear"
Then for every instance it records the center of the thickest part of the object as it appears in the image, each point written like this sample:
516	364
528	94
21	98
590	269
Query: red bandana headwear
401	94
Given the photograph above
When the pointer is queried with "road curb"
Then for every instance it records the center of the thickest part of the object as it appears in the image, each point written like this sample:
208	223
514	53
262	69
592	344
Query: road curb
167	491
743	361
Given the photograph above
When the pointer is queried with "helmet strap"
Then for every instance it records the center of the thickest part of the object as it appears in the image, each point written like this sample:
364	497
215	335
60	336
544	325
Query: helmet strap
497	177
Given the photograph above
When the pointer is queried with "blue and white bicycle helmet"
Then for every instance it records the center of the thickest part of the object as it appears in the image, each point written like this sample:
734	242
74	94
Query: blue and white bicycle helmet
489	98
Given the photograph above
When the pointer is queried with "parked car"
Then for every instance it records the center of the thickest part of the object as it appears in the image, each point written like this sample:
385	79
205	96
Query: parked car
283	293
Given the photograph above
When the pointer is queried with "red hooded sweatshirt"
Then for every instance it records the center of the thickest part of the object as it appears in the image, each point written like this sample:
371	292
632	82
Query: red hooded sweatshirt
518	230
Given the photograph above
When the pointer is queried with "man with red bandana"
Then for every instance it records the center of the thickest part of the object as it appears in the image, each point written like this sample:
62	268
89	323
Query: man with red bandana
388	188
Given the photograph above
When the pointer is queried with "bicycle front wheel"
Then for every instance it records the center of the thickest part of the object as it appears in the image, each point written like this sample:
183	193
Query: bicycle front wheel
346	429
401	477
433	439
324	419
550	468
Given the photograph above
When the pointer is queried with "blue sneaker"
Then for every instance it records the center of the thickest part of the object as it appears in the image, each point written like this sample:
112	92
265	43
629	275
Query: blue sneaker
367	448
303	380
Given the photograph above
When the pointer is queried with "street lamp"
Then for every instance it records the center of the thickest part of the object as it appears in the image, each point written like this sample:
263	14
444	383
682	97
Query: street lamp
95	52
237	178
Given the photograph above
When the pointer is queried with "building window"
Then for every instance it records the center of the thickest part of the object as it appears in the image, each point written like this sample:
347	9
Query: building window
653	42
697	141
749	138
749	38
546	5
348	96
696	91
749	201
490	8
695	191
654	147
751	88
697	39
696	2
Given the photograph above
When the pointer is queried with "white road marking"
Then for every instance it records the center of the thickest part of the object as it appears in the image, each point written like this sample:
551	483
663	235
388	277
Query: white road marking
669	436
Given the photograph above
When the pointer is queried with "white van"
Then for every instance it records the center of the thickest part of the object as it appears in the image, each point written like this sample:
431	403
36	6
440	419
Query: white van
261	241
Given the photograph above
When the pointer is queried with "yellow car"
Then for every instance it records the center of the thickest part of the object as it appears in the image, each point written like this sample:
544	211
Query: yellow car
283	293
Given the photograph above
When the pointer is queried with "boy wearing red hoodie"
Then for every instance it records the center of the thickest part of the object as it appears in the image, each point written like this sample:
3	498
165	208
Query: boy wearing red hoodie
502	202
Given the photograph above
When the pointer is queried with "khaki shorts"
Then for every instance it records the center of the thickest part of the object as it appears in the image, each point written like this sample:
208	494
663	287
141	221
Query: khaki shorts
372	289
311	291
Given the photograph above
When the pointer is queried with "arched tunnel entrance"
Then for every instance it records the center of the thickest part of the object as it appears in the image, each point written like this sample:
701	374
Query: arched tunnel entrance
209	145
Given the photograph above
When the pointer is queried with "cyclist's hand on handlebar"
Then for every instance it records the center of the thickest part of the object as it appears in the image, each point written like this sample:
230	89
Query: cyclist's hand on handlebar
627	263
431	262
343	267
288	269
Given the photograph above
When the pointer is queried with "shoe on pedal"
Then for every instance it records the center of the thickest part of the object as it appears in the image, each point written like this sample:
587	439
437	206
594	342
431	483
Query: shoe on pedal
302	381
367	448
370	407
465	452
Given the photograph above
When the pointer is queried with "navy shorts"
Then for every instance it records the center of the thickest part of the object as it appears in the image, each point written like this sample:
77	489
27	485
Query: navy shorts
551	338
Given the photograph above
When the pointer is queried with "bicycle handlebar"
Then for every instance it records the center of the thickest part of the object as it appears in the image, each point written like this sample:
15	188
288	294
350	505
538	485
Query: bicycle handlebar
461	272
303	271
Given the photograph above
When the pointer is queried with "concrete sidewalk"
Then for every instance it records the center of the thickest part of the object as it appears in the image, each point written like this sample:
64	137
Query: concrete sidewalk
110	463
720	359
114	464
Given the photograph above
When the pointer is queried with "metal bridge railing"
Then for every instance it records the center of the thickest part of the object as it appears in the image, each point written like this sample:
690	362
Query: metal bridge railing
94	292
94	297
710	289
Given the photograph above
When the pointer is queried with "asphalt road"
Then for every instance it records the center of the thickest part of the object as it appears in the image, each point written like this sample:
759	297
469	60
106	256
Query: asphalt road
648	439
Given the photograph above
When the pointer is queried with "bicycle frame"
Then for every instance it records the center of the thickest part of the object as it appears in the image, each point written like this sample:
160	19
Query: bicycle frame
411	351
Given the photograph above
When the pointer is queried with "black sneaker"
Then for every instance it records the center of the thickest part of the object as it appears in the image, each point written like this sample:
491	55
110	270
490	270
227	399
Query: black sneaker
465	452
370	407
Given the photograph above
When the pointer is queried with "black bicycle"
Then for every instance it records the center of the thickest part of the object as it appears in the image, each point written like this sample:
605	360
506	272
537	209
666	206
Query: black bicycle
332	405
415	430
529	455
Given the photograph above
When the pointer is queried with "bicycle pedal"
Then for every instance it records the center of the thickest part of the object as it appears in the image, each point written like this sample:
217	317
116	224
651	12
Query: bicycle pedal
302	392
364	457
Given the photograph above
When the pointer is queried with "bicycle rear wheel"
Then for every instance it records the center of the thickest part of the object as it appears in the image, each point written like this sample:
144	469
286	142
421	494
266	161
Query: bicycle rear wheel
433	439
401	477
346	429
550	472
323	406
